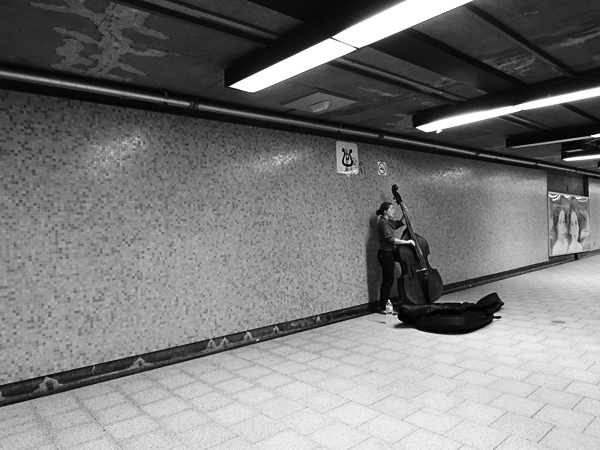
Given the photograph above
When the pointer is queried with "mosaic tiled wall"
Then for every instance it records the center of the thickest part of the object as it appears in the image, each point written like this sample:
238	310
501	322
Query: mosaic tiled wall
124	231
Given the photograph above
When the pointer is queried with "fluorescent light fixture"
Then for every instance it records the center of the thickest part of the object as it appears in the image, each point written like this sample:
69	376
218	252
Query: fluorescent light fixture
581	156
320	106
596	135
307	59
565	98
397	18
467	118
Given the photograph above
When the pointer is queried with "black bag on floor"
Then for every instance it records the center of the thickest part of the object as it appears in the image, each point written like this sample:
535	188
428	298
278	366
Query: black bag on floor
451	317
455	323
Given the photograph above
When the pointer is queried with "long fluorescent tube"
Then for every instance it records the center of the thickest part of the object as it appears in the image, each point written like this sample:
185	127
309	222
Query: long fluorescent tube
467	118
307	59
397	18
475	117
596	135
403	15
581	156
565	98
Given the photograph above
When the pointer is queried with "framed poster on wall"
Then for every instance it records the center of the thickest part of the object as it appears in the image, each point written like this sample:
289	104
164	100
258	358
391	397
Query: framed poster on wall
569	224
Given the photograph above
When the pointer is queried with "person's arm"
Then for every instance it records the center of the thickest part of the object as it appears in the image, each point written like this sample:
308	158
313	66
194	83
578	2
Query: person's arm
388	234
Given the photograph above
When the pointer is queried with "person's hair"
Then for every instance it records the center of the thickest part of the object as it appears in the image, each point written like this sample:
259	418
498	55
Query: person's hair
555	216
383	208
572	210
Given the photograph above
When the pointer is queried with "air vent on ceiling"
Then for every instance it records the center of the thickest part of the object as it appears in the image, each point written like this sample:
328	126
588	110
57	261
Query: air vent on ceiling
318	101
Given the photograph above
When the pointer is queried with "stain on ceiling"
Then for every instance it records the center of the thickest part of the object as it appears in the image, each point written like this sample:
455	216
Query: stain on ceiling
485	49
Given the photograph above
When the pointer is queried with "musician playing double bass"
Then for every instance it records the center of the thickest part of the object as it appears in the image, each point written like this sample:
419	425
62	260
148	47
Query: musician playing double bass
387	227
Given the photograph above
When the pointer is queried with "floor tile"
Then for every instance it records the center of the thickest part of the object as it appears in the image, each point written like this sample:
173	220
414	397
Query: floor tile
361	384
564	417
525	427
477	436
287	439
338	436
560	438
353	414
426	440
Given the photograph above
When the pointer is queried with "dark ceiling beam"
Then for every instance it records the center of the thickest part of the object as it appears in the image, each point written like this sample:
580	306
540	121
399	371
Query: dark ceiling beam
424	51
582	144
552	137
361	68
491	22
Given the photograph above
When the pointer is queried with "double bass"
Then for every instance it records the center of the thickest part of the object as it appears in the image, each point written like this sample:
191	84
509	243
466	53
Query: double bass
419	283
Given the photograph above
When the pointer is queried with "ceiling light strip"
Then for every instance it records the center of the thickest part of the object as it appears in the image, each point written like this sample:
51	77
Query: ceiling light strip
489	107
314	56
395	19
467	118
335	43
580	156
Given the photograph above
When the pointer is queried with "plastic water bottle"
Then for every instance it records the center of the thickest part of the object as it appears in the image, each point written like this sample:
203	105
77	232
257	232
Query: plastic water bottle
389	312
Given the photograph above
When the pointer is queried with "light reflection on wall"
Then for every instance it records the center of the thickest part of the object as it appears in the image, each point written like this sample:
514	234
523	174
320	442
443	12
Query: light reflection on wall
270	163
104	159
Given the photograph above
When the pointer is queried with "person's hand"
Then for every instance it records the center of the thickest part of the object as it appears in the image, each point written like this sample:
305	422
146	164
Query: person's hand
411	242
403	207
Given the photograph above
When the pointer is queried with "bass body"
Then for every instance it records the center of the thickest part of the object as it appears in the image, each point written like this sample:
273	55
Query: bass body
420	283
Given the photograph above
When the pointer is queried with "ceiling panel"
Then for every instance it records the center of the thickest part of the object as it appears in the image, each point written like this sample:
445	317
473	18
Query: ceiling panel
184	46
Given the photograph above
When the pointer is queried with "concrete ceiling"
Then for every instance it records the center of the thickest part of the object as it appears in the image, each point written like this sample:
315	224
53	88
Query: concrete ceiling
486	48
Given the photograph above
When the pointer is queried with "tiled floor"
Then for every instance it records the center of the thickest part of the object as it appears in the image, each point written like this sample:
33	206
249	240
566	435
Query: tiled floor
530	380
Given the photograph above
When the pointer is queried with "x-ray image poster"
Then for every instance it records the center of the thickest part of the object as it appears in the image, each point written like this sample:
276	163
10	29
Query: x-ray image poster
346	154
568	224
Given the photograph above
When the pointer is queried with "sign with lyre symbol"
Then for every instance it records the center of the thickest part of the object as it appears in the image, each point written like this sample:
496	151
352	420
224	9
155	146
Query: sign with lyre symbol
346	154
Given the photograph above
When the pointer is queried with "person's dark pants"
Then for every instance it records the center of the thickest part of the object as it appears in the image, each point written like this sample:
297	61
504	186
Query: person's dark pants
388	271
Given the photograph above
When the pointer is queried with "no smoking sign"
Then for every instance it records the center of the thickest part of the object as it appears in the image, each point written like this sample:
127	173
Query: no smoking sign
381	168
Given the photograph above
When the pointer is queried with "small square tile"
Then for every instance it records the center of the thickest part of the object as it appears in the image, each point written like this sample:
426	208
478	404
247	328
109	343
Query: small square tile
231	414
517	405
477	436
183	420
306	421
165	407
279	407
353	414
286	439
525	427
205	436
128	428
257	428
155	440
477	412
337	436
117	413
426	440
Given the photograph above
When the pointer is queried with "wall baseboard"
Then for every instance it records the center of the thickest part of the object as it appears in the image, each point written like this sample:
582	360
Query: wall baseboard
554	261
71	379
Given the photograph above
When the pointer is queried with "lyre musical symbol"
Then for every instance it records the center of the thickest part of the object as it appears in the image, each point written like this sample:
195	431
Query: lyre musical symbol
347	160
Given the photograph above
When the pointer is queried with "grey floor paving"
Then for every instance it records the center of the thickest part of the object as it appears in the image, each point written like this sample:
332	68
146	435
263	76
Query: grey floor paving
530	380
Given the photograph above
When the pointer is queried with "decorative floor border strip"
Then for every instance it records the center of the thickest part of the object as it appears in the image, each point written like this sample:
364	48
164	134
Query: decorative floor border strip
50	384
71	379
